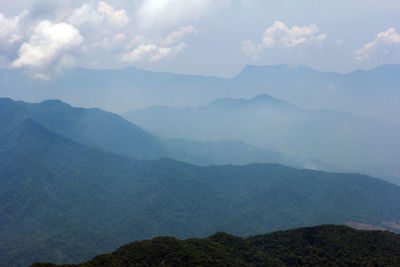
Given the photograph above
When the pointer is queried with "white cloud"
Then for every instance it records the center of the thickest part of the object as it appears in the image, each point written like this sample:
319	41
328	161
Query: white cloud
117	17
170	13
137	40
141	53
47	46
280	35
176	36
10	28
85	14
147	49
152	52
104	12
385	43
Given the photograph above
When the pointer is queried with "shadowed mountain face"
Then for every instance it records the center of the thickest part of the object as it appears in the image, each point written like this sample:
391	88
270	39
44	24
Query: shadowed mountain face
350	142
92	127
65	202
373	93
319	245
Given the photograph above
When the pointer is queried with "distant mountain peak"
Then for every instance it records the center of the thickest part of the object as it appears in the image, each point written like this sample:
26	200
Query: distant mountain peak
262	99
54	102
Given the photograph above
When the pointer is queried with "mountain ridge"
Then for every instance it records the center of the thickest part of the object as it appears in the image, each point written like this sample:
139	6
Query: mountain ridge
371	92
347	141
82	201
318	245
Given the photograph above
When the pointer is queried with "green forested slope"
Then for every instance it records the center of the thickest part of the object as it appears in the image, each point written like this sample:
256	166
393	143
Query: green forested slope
326	245
64	202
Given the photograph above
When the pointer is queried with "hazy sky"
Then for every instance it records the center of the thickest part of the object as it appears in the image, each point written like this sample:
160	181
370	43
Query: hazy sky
209	37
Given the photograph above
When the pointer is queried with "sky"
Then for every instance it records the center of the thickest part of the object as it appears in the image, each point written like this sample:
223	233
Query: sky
203	37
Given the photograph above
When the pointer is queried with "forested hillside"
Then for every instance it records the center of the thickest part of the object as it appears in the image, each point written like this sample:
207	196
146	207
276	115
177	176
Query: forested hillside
312	246
65	202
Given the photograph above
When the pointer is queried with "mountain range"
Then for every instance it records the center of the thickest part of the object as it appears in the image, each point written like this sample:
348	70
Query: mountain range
97	128
347	141
372	92
65	199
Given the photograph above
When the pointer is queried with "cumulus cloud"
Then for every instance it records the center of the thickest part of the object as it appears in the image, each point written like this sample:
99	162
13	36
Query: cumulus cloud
10	28
177	35
47	45
170	13
152	52
117	17
147	49
87	13
280	35
141	53
384	44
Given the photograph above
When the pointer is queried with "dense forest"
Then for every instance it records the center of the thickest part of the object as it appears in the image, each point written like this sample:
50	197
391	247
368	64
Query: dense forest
65	202
327	245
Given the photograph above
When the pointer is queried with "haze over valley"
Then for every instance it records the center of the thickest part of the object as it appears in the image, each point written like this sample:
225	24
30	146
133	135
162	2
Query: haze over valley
199	133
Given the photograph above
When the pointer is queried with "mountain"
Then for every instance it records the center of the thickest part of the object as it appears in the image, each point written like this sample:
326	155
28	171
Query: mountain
372	92
350	142
92	127
114	90
317	246
110	132
62	201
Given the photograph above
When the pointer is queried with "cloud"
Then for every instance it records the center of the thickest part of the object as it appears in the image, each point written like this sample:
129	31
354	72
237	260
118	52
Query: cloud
117	17
170	13
147	49
104	12
112	43
10	28
47	46
384	44
141	53
152	52
175	36
280	35
85	14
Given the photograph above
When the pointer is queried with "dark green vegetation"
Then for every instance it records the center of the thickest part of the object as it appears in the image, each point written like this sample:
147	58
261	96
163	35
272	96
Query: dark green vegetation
65	202
327	245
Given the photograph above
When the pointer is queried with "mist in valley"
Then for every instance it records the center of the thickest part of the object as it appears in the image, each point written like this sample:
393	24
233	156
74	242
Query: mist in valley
129	120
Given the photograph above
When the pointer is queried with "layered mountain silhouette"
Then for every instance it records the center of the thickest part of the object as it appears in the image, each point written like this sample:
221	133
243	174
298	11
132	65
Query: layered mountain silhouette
318	246
350	142
64	201
92	127
372	92
110	132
